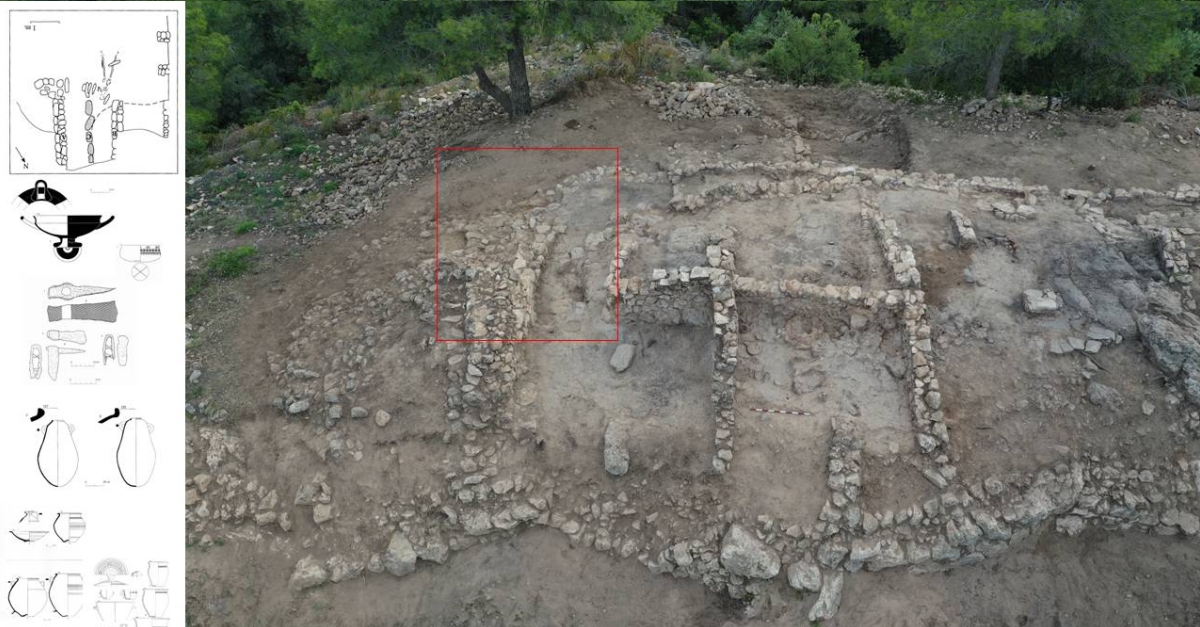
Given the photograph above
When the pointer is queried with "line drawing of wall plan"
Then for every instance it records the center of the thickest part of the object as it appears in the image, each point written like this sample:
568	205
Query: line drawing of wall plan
94	91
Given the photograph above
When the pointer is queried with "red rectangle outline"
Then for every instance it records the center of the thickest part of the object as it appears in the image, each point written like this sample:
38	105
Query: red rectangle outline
437	154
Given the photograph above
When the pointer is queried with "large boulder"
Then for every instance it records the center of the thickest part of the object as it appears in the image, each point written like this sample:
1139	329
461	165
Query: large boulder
309	573
400	558
744	554
1174	346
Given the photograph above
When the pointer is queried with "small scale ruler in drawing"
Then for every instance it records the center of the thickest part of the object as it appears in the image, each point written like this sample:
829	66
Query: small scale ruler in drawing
780	411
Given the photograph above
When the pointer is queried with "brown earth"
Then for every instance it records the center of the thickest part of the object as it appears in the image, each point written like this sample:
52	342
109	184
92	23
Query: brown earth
1005	419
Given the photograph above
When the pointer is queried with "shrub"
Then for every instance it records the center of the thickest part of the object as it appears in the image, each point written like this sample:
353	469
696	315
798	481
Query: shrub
758	37
646	57
821	51
696	74
710	31
720	60
1178	73
245	226
232	263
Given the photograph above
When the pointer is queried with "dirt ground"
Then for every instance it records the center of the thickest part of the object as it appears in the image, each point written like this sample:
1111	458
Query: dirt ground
335	307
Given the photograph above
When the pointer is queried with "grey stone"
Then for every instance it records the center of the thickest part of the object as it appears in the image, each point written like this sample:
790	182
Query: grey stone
861	550
962	533
890	555
745	555
831	553
616	451
1069	525
1110	313
1040	301
342	568
434	551
309	572
382	418
1187	522
322	513
1049	495
1059	346
804	575
298	407
1101	334
943	551
477	523
1073	296
1103	396
622	357
400	558
358	413
829	599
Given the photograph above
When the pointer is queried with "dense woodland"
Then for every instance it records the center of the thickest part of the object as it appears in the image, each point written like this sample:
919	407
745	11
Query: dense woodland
252	59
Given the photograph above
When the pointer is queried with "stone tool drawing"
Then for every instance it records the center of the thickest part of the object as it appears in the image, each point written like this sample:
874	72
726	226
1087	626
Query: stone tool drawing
101	312
68	291
35	361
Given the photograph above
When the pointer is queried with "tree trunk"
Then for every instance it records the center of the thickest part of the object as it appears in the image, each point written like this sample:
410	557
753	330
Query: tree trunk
490	88
995	66
518	80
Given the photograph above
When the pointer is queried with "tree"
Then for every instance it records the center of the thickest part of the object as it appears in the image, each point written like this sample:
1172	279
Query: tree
452	37
964	41
206	53
1111	48
267	64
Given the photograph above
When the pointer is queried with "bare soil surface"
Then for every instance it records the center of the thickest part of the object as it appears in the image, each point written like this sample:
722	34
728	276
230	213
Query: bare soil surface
294	362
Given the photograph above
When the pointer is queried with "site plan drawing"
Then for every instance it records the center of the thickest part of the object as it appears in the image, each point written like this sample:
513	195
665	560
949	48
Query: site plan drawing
106	104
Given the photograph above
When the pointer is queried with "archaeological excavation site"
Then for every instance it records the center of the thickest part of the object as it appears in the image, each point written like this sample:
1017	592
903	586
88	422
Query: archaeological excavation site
760	355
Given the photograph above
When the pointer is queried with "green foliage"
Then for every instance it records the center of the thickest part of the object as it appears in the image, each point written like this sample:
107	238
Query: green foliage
710	31
646	57
696	74
949	45
231	263
1111	48
1134	117
1181	71
268	62
245	226
1095	52
762	33
820	51
206	53
720	59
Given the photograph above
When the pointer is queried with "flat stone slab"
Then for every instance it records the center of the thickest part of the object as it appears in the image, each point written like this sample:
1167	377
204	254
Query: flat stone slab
1041	301
622	357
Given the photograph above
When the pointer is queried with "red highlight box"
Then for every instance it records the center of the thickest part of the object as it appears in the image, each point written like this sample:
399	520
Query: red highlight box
437	155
